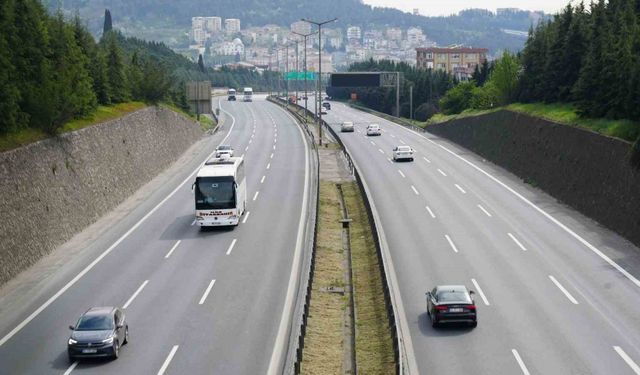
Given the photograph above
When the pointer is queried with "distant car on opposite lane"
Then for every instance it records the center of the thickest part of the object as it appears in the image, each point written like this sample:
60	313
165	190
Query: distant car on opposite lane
451	304
347	127
99	332
224	150
403	153
373	129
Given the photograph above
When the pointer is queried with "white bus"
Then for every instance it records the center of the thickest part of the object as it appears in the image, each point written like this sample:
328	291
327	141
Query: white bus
248	94
220	192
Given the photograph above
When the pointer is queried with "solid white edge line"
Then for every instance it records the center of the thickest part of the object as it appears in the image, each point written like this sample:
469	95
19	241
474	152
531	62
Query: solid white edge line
477	286
88	268
206	292
461	189
442	172
193	222
517	242
573	234
255	196
135	294
430	212
566	292
73	365
415	190
453	246
168	360
233	243
524	369
634	366
246	216
172	248
483	210
281	337
401	174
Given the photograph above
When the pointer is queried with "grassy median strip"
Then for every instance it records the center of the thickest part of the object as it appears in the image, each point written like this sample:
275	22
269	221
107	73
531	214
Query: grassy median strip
323	351
374	343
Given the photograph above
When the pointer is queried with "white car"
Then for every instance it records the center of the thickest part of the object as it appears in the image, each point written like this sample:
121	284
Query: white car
403	153
224	150
346	126
373	129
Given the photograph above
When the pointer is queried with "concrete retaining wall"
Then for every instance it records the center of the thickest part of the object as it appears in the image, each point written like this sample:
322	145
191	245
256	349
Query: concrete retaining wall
585	170
52	189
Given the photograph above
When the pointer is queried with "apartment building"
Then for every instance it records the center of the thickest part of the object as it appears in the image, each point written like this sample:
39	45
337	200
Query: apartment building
301	27
458	61
232	25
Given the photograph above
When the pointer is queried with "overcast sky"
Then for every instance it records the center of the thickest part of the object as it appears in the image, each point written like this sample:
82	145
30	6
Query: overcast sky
439	7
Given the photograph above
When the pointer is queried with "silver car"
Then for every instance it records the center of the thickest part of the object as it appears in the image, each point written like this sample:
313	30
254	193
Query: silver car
347	126
224	150
373	129
403	153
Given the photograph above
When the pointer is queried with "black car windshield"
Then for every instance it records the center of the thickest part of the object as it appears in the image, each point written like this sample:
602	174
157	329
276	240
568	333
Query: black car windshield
214	193
453	296
95	323
224	148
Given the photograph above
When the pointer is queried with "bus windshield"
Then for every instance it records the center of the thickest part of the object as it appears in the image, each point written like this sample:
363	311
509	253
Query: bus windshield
214	193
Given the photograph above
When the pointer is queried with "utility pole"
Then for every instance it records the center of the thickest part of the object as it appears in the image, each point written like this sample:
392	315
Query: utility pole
411	102
397	94
319	24
305	36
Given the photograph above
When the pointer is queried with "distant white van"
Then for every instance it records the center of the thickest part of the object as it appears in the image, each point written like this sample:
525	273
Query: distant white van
248	94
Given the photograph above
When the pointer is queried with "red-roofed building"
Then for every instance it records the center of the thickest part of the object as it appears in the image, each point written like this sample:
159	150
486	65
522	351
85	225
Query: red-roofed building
460	61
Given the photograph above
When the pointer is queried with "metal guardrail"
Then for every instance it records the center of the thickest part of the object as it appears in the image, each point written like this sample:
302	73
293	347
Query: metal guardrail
385	116
380	243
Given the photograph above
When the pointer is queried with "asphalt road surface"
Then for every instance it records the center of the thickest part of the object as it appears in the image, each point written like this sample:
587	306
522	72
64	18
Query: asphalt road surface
556	293
197	302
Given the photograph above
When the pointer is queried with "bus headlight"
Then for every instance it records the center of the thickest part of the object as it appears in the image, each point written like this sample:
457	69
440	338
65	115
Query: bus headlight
199	218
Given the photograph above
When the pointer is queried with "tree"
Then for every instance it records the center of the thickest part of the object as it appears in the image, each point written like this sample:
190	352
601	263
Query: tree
108	25
97	63
155	83
71	93
505	76
11	118
534	61
485	97
481	73
458	98
200	63
118	88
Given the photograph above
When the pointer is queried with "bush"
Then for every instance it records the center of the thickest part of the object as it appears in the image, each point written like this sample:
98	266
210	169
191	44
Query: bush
425	111
635	154
458	98
485	97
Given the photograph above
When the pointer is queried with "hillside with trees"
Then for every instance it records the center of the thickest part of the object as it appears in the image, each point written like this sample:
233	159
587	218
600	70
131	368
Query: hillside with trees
473	27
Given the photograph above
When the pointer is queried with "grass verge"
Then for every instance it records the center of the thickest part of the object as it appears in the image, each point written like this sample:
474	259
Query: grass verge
23	137
323	349
205	122
565	113
374	343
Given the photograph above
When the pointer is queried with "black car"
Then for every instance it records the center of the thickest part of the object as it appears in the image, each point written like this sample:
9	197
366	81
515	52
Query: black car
451	304
99	332
326	105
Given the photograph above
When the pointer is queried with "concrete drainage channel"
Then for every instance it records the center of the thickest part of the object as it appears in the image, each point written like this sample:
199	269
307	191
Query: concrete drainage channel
347	272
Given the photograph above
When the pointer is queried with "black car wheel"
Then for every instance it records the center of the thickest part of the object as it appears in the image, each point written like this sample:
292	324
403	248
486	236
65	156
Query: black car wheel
71	358
474	324
434	321
126	336
116	349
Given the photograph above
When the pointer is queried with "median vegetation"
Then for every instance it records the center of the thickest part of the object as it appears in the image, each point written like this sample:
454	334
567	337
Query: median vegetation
327	348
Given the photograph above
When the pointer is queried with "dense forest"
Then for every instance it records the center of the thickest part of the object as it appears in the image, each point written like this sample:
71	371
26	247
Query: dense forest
52	70
473	27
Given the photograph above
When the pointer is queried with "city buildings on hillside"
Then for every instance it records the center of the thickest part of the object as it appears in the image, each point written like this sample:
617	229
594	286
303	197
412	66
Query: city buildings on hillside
459	61
232	25
301	27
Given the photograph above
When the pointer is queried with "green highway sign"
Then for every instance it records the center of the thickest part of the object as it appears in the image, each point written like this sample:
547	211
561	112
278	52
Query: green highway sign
299	76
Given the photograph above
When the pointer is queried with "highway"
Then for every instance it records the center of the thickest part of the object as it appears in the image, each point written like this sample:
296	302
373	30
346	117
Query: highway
556	293
197	302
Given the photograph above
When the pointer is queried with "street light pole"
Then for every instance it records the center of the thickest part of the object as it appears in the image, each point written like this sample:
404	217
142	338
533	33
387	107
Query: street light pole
305	36
319	24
